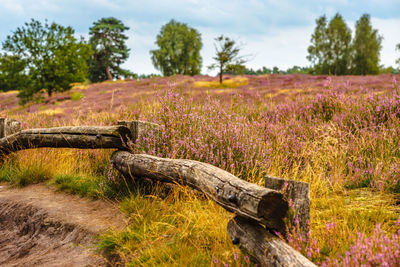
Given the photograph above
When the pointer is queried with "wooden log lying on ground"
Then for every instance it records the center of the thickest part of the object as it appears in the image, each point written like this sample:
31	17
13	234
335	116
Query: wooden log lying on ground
236	195
263	246
89	137
299	194
8	127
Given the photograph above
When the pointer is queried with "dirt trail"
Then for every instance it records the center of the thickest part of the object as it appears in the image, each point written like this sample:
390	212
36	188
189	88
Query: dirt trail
40	227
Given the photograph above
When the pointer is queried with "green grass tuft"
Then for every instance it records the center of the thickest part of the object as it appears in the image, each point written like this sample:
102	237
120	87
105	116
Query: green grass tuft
21	176
95	187
77	96
78	184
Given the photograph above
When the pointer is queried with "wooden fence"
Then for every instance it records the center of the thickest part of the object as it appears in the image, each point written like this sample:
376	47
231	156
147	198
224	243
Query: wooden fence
260	211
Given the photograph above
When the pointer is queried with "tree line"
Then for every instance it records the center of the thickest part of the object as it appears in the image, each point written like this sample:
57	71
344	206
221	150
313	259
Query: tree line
47	56
334	51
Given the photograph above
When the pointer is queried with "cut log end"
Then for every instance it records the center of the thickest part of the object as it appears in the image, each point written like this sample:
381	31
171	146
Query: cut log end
274	206
299	194
137	128
125	133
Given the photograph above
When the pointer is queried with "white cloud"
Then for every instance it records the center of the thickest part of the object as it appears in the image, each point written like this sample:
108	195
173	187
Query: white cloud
389	29
104	4
141	40
28	7
282	48
11	6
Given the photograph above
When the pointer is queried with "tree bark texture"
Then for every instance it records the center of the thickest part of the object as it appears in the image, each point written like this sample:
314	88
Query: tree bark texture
89	137
108	73
236	195
298	193
263	246
220	74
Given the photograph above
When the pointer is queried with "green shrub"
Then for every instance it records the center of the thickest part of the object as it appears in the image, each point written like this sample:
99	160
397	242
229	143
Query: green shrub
77	96
21	176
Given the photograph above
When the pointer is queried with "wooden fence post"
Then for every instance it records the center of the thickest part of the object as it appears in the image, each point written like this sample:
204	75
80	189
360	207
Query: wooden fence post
139	127
264	247
298	195
8	127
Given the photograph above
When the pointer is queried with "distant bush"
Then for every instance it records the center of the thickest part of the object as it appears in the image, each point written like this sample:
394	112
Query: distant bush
77	96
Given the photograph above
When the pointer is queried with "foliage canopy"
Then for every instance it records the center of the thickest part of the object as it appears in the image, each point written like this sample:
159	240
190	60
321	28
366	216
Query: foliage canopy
332	50
366	47
44	56
178	50
319	45
12	73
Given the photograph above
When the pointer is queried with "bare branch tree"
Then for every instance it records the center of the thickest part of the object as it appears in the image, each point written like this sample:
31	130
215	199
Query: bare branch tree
227	55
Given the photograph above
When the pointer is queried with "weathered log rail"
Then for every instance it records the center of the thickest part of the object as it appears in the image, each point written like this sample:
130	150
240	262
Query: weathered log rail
253	205
88	137
236	195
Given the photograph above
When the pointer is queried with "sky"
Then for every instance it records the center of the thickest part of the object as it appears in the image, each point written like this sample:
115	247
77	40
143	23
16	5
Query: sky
270	32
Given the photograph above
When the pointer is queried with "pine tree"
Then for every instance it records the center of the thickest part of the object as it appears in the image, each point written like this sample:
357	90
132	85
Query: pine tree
109	49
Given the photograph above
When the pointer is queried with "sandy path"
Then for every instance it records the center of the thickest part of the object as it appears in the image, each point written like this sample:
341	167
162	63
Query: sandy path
40	227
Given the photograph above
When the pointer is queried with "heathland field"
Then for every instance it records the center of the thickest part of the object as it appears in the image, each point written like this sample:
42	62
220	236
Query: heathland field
339	134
